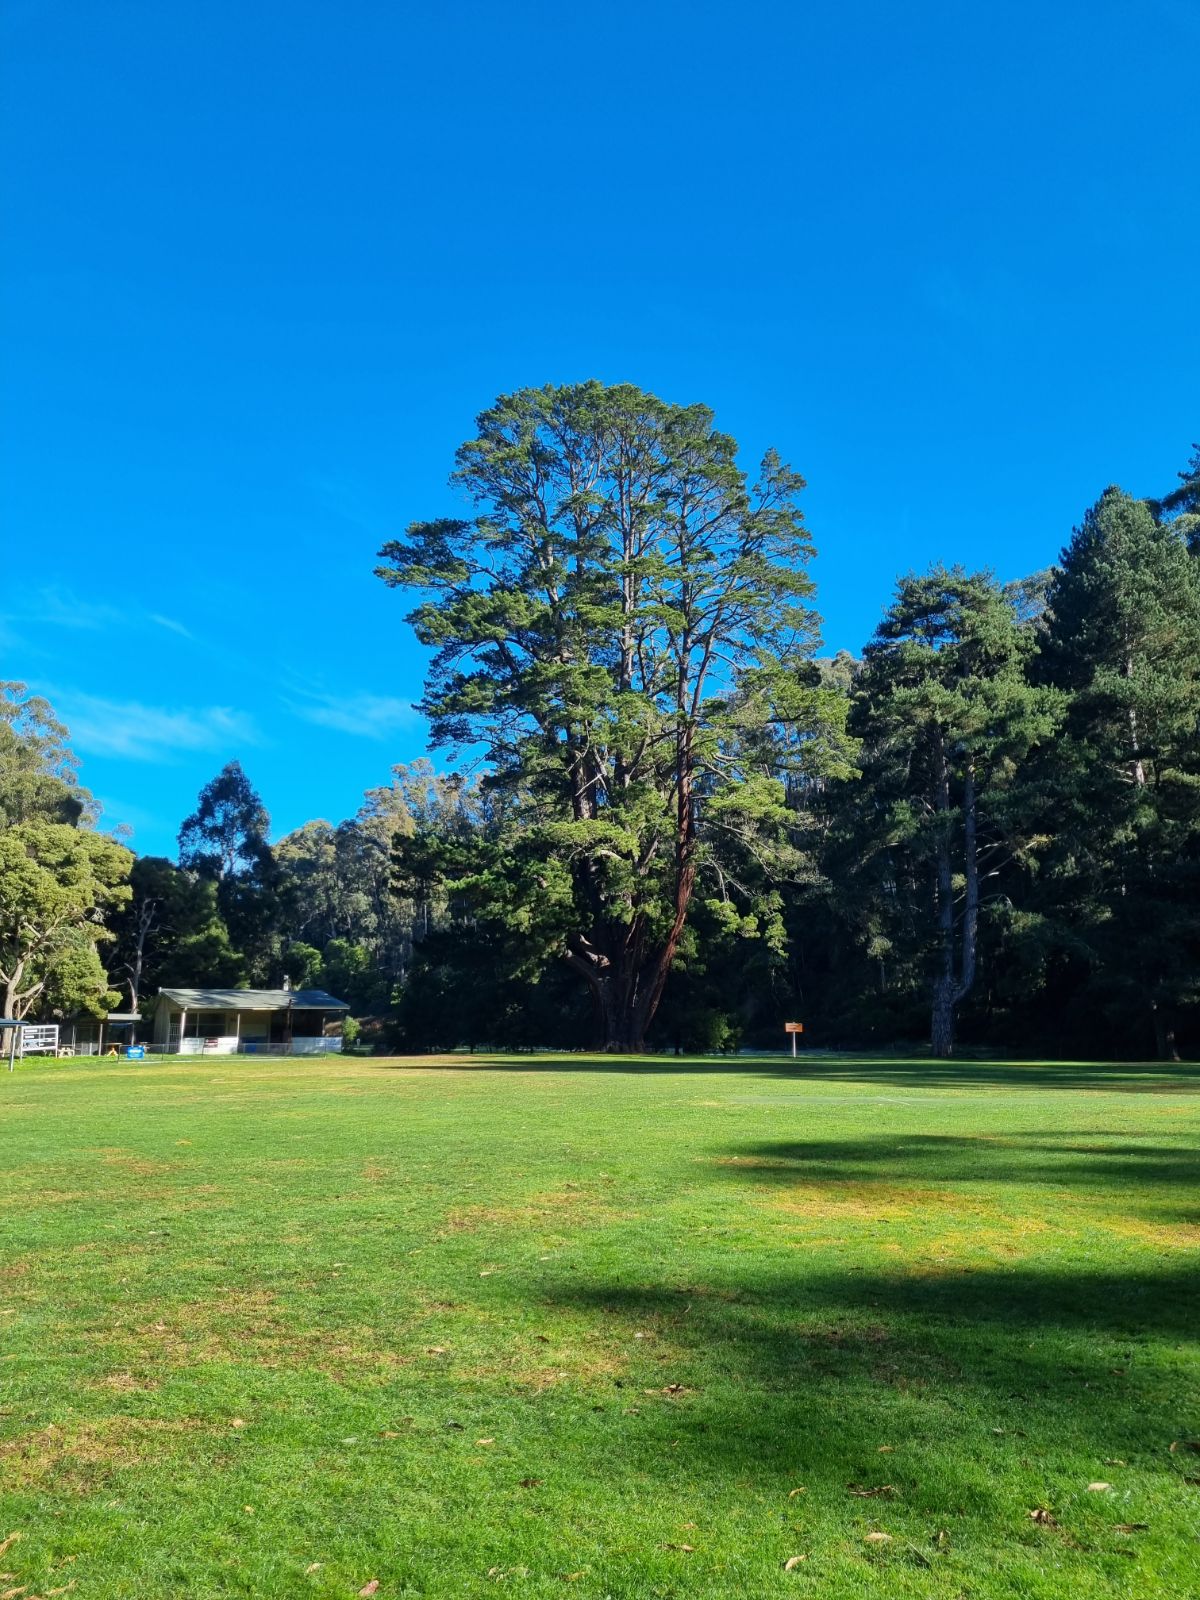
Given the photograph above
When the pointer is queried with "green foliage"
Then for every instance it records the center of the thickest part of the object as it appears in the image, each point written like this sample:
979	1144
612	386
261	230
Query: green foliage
56	884
224	841
946	716
1181	507
1118	798
38	772
303	965
621	628
170	932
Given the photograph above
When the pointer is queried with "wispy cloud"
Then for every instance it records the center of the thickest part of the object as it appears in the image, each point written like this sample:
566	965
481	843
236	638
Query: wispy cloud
366	716
52	606
173	626
139	732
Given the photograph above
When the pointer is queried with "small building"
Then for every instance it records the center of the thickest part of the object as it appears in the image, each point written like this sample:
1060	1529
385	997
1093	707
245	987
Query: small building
222	1022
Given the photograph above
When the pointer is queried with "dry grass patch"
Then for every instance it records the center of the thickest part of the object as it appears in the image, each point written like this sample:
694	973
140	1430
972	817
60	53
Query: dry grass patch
1172	1236
78	1457
138	1166
570	1207
877	1201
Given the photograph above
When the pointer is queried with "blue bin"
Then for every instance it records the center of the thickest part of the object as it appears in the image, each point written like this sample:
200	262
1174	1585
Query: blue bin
135	1052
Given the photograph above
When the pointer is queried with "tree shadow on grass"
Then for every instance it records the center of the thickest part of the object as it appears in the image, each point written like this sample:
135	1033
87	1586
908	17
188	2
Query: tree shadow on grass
967	1377
1037	1364
1124	1077
893	1072
1091	1158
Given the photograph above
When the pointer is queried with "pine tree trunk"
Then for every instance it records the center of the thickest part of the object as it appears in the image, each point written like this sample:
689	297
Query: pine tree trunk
941	1036
941	1031
1164	1033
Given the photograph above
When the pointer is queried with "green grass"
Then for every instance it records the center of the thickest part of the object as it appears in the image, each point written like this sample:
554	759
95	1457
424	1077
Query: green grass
557	1326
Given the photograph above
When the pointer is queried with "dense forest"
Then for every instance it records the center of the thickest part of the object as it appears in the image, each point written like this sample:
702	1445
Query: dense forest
664	819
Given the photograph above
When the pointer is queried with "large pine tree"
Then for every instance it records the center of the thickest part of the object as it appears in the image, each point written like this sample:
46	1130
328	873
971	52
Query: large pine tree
945	714
1120	792
614	626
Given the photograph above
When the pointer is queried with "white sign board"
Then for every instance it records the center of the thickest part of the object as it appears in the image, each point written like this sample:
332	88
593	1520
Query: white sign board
39	1039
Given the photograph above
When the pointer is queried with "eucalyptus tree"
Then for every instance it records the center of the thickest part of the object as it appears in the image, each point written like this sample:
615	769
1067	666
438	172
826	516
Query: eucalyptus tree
946	715
225	841
617	627
57	885
38	770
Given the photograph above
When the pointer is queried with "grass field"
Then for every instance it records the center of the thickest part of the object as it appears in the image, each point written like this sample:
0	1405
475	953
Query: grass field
564	1327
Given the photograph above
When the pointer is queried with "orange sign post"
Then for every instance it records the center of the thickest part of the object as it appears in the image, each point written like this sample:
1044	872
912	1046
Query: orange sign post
793	1028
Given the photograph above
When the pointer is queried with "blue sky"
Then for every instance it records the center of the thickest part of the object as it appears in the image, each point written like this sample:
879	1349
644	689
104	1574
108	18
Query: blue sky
262	265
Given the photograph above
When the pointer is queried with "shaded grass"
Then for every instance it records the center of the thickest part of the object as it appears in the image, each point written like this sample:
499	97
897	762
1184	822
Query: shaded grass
557	1326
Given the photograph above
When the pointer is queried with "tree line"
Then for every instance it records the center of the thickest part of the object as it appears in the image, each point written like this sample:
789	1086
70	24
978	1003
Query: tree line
668	822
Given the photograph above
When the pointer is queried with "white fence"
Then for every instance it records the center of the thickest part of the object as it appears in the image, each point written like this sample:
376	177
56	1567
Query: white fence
231	1045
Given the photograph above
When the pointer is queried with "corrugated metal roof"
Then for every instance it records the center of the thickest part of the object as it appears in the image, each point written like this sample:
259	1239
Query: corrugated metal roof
254	999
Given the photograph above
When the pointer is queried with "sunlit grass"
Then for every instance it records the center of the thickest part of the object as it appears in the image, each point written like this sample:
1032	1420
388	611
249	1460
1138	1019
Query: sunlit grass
628	1330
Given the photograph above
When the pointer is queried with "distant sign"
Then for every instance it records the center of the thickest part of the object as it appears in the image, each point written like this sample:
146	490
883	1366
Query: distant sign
793	1027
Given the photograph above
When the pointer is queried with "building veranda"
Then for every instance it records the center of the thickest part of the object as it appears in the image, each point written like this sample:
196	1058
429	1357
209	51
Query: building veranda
249	1021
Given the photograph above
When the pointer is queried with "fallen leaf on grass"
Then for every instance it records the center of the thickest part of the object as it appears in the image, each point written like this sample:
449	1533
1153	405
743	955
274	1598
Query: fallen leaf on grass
435	1350
369	1588
5	1544
1111	1461
313	1566
1042	1517
11	1594
689	1548
878	1538
885	1449
793	1562
792	1493
66	1588
485	1441
531	1483
1176	1445
237	1422
857	1490
1098	1487
570	1577
1132	1527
